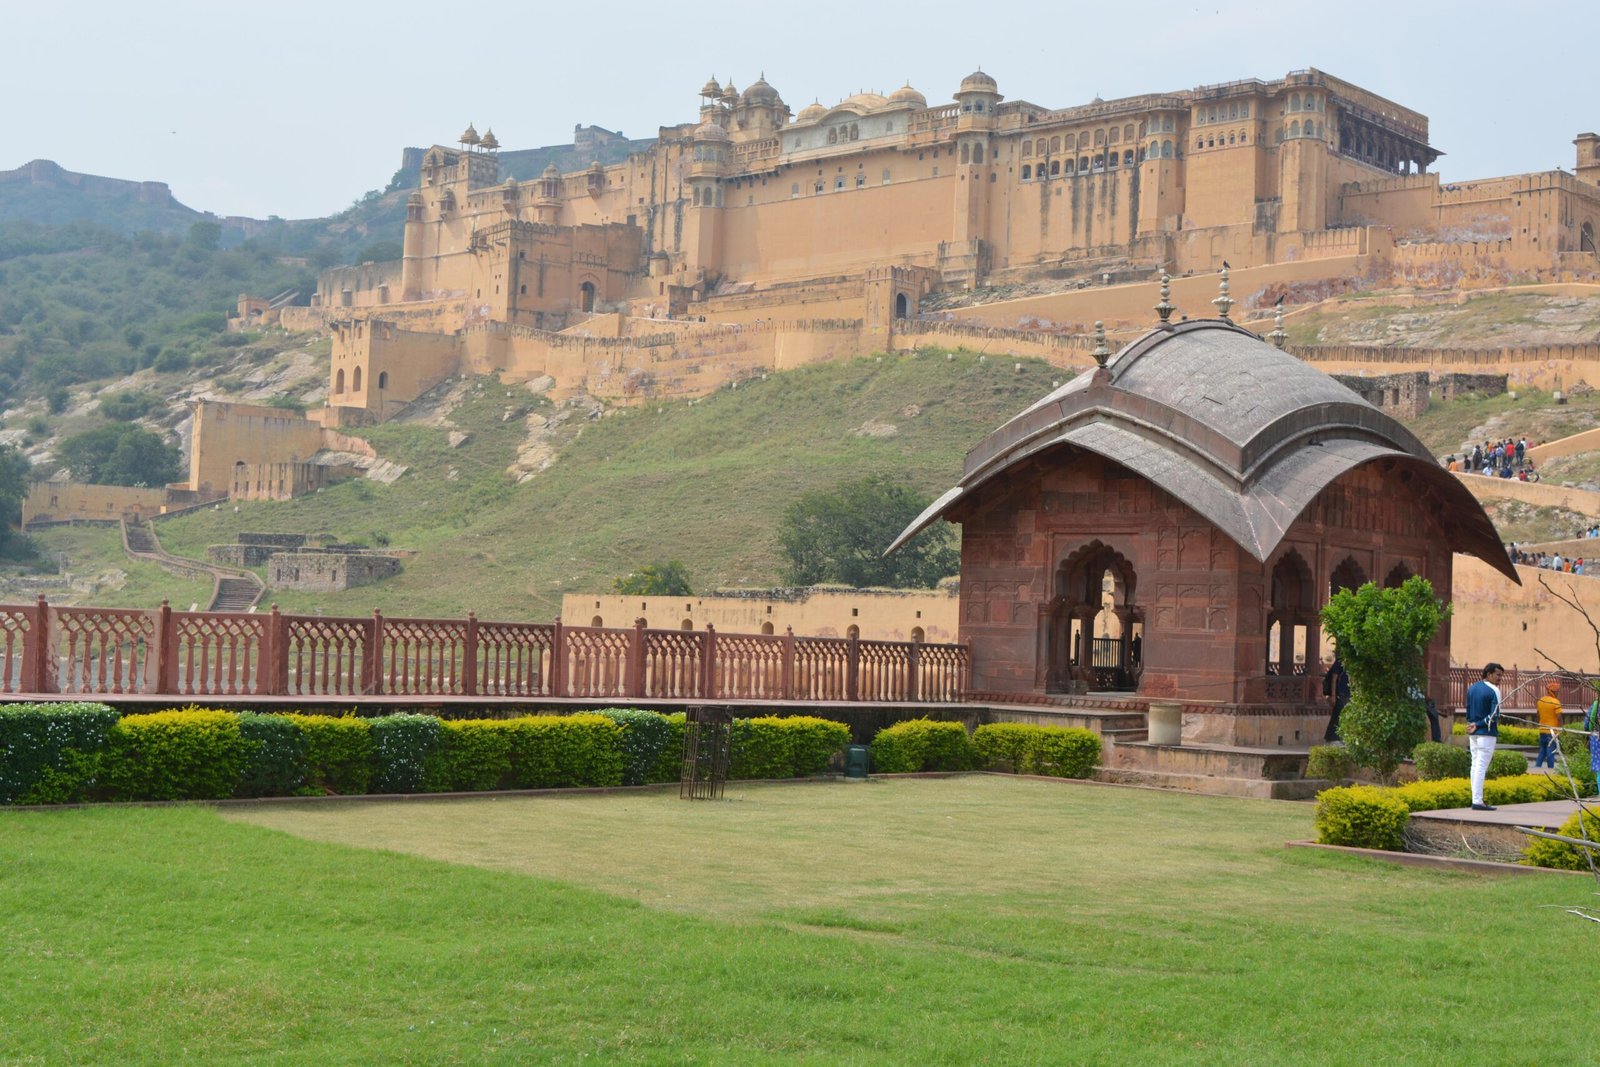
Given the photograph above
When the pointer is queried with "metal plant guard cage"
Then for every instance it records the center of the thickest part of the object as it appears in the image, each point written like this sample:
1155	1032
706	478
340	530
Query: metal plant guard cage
707	734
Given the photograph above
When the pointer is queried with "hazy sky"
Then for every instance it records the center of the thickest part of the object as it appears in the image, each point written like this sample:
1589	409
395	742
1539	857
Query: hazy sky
296	108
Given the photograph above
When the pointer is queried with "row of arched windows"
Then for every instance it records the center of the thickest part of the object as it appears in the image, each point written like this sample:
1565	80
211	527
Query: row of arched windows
851	132
1083	165
1309	102
710	197
1239	109
1218	140
974	156
821	186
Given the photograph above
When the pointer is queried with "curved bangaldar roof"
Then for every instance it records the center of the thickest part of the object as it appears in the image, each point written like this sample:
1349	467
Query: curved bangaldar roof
1241	432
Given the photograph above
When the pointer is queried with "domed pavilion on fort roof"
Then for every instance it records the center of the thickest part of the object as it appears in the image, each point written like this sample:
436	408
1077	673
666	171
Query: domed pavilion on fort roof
1171	524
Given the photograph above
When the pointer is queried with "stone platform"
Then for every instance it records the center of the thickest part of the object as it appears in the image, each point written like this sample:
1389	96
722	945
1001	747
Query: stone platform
1221	770
1486	834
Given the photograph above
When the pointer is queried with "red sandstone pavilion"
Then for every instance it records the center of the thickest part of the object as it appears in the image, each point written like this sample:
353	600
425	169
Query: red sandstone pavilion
1202	494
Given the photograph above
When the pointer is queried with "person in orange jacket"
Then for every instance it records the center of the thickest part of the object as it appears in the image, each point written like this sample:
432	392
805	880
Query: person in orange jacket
1549	711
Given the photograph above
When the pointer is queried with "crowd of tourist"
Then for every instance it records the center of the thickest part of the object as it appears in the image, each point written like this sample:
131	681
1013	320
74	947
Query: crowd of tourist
1505	458
1550	561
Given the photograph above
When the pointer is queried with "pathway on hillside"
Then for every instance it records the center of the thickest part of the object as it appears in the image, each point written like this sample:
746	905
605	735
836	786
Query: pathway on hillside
231	590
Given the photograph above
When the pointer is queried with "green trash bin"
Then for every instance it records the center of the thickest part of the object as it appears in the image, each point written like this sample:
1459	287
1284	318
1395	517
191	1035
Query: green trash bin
855	761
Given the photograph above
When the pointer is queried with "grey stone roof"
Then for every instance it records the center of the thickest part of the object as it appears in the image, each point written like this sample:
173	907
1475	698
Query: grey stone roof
1244	434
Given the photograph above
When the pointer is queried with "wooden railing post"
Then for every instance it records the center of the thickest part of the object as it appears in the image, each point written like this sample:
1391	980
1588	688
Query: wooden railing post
852	667
469	652
558	659
914	669
635	665
43	649
708	664
166	650
372	656
788	663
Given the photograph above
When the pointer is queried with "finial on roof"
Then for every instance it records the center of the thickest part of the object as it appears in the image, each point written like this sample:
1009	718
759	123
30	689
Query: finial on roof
1102	351
1223	303
1165	308
1278	336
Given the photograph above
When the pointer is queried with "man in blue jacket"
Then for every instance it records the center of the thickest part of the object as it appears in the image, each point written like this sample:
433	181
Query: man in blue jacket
1483	724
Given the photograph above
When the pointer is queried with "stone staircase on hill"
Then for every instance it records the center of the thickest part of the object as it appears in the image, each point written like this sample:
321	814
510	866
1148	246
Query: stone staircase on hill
231	590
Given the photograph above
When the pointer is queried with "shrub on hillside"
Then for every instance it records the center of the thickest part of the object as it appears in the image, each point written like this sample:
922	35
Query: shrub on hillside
51	753
402	746
189	754
1435	761
338	753
1331	763
1361	816
922	745
275	756
1057	751
1542	852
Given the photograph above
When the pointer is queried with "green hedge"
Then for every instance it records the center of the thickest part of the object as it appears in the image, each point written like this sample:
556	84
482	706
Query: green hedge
1508	735
1545	853
63	752
1361	816
1506	765
51	753
1057	751
192	754
402	748
772	746
1437	761
1575	747
922	745
1331	763
646	736
275	756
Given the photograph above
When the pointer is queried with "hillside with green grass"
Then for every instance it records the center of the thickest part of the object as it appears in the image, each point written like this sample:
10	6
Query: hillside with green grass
702	481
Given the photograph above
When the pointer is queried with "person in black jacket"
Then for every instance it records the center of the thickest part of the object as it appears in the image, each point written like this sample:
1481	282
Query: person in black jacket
1336	687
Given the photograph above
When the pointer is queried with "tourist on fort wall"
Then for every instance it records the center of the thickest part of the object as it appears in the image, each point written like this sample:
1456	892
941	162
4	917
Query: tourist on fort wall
1483	724
1549	711
1336	687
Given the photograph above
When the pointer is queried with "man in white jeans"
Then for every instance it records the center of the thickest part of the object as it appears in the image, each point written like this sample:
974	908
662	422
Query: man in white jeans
1483	724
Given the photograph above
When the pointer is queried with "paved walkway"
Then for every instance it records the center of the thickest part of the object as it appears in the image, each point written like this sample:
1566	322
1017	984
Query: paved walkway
1545	815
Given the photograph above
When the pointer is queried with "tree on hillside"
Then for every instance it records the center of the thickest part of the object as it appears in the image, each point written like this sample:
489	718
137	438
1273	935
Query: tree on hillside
121	454
1382	635
655	579
839	535
14	470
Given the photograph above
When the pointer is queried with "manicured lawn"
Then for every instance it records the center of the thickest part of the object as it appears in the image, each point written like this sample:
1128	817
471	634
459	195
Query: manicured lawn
980	919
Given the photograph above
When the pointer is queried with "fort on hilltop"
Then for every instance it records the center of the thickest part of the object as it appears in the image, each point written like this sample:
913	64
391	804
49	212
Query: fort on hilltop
755	238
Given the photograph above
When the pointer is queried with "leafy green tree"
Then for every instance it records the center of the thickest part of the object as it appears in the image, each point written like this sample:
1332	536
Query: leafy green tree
121	454
1382	636
14	472
655	579
380	252
839	535
205	236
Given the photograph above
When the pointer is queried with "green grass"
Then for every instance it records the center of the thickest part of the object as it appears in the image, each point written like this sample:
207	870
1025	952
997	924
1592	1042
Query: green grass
1488	321
95	553
1446	425
702	481
958	921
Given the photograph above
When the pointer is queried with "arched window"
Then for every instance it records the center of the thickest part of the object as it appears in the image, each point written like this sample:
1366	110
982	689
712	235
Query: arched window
338	381
1230	138
1071	168
861	181
1114	136
586	294
1347	575
1083	164
853	632
1294	102
1055	166
1055	144
383	379
1290	616
819	186
1127	158
766	628
1155	149
794	190
966	152
1166	149
1244	138
918	634
1294	128
1083	139
1099	138
597	622
886	175
1586	238
902	305
1244	110
1027	171
1027	149
355	381
838	185
1398	575
1199	142
1127	132
833	135
686	624
977	153
855	132
1112	159
1233	111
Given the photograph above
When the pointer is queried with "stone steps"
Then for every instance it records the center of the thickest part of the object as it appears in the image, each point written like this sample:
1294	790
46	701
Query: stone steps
1214	785
1224	761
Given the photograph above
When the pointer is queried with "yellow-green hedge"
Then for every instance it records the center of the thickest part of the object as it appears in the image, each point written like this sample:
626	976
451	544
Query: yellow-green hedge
1057	751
